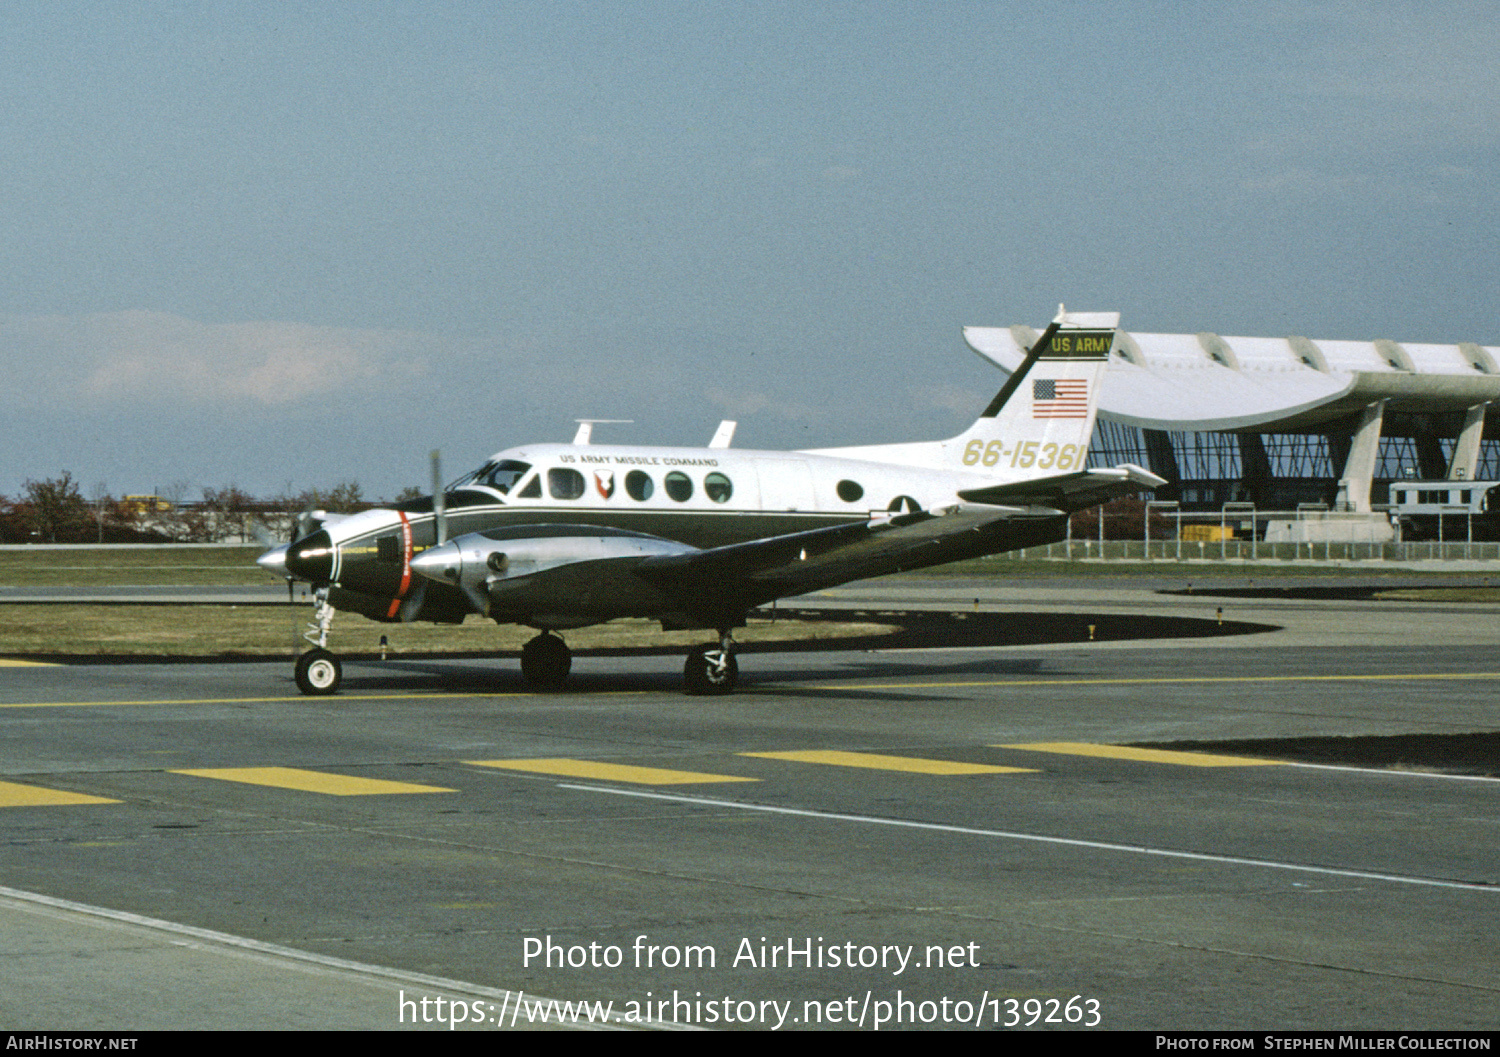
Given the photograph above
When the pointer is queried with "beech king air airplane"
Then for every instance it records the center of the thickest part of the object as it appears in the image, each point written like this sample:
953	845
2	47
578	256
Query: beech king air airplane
558	536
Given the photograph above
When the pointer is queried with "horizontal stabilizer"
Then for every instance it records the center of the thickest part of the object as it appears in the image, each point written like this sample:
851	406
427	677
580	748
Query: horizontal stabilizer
1068	492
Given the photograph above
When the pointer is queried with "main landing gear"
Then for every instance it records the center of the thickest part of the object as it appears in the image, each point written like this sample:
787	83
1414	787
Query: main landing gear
711	669
318	672
546	661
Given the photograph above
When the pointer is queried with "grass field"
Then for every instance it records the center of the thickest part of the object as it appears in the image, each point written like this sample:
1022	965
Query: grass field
266	630
228	631
131	566
235	567
224	630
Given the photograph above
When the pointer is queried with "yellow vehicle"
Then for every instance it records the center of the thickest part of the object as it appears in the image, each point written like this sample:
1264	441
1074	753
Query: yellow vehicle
1206	533
147	504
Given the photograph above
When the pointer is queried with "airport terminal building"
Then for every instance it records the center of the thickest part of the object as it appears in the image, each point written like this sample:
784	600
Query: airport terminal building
1295	423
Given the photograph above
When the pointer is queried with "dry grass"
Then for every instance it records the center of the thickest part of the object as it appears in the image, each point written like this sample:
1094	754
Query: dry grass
208	631
1441	594
132	566
269	630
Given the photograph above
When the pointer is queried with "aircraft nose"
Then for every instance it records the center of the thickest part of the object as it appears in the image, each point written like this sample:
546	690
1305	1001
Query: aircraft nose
311	558
442	563
274	560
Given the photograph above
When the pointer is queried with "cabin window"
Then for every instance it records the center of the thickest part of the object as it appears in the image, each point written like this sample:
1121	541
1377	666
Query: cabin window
679	486
532	489
849	491
504	475
718	487
563	483
638	485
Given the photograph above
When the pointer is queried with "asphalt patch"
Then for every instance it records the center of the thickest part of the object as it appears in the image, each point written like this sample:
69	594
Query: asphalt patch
1356	590
1331	594
1475	754
919	630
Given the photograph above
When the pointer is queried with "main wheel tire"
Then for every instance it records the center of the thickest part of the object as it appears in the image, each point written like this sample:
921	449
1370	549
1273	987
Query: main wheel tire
546	662
707	671
319	673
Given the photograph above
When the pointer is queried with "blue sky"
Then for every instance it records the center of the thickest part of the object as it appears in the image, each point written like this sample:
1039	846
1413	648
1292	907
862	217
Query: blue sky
282	246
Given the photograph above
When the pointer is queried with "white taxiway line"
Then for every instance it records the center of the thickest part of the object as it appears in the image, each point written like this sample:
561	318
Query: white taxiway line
1390	772
305	960
1036	838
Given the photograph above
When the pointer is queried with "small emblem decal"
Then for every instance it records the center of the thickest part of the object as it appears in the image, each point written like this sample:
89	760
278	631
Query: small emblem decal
604	480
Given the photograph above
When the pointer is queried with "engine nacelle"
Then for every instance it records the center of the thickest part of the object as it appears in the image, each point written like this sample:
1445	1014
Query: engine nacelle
517	574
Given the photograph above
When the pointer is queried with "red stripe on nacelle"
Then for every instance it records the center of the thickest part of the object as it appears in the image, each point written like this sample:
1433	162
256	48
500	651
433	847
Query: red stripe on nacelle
405	568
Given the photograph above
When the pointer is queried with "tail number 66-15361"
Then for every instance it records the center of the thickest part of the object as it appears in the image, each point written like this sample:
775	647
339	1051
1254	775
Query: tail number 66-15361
1024	455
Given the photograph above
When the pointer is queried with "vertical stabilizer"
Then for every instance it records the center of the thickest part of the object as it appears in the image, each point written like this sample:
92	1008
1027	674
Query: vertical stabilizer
1040	423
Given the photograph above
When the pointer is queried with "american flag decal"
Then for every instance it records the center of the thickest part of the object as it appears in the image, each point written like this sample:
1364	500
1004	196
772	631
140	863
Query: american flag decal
1060	398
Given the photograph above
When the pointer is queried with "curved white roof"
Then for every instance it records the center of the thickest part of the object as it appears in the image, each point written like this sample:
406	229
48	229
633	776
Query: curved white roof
1206	382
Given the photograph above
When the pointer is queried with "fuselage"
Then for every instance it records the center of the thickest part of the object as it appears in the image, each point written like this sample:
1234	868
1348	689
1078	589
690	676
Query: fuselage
697	497
703	497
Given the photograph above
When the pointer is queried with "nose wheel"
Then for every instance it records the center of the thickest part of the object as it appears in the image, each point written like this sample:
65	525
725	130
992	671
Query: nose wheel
711	669
318	673
546	661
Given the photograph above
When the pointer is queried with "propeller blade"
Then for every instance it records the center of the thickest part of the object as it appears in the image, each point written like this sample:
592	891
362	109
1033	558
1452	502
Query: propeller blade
305	524
262	533
412	603
439	500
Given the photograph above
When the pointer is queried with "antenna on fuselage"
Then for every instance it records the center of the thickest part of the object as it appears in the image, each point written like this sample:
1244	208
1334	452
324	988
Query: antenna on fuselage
439	500
586	427
724	435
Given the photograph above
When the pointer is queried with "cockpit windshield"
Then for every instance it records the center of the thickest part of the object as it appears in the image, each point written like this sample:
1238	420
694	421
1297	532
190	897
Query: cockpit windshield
500	476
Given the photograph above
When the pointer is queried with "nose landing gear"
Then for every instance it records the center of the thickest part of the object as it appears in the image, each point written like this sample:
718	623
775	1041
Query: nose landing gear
318	672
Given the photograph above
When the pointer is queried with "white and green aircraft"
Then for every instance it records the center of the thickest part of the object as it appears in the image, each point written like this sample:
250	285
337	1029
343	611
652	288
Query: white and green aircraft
559	536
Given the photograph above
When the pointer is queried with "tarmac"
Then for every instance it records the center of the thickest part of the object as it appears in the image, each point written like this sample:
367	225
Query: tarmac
1184	833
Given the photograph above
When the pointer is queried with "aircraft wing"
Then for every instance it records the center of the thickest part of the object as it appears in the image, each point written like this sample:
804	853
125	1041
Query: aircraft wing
758	571
991	520
1068	492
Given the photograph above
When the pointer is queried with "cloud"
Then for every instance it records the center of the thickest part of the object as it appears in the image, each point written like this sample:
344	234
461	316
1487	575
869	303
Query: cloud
157	357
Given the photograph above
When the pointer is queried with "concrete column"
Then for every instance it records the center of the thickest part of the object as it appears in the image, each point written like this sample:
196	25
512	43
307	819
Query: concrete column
1466	451
1359	468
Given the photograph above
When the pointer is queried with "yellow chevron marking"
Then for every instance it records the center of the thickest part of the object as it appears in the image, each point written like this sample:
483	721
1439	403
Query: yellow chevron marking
877	762
14	794
609	772
1125	752
311	781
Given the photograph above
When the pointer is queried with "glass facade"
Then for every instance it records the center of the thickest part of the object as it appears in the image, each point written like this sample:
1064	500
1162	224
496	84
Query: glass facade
1210	468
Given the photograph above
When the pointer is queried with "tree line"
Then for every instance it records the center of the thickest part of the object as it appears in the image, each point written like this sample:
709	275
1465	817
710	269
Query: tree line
55	510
